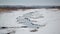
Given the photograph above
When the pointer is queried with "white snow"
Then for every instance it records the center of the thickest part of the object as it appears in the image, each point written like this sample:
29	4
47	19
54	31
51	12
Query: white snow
51	17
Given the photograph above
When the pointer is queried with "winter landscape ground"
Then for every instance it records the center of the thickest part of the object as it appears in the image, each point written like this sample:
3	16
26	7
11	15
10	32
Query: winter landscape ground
50	17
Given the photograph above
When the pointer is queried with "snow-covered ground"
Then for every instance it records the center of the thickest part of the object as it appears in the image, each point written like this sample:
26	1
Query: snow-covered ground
51	17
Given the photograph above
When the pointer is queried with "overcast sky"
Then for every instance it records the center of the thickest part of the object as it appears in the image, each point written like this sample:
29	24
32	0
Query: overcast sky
30	2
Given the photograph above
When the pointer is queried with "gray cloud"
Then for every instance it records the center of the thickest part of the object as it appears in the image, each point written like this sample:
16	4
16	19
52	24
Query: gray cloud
30	2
